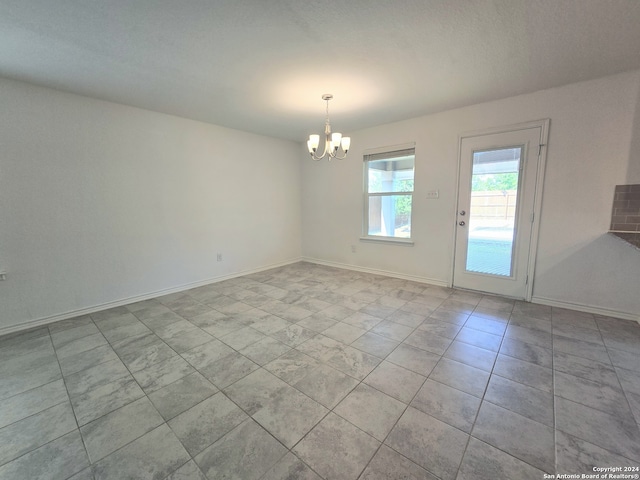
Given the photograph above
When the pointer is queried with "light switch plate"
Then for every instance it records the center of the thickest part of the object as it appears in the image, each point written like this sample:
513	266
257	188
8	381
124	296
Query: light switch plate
433	194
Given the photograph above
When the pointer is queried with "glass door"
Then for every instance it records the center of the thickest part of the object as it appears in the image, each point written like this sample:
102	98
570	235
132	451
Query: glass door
496	199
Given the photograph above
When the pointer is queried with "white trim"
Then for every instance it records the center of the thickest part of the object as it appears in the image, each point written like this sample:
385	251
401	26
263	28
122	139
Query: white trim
506	128
443	283
454	223
375	271
605	312
389	148
537	205
407	242
414	278
137	298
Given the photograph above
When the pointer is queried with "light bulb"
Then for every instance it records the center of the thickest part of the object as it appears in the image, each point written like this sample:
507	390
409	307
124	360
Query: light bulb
335	140
346	143
314	141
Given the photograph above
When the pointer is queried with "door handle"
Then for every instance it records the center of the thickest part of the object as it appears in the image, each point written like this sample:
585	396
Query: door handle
462	212
462	224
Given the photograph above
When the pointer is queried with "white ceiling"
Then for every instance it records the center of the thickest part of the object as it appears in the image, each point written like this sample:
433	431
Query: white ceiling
262	65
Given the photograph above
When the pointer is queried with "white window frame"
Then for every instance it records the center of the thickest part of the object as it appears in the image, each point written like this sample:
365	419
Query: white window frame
381	154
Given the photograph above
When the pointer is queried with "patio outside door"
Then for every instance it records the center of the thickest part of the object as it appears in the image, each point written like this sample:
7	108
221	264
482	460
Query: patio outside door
500	174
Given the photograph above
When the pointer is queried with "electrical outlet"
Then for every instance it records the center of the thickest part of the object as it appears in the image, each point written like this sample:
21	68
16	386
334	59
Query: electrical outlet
3	276
219	257
353	249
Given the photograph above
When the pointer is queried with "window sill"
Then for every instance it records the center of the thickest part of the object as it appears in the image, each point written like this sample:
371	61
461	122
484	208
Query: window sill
395	241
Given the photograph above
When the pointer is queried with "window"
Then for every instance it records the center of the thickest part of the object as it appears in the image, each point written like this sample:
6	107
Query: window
388	185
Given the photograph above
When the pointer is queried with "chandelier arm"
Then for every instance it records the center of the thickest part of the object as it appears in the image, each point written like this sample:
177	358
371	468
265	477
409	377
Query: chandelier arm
329	154
324	153
326	148
334	153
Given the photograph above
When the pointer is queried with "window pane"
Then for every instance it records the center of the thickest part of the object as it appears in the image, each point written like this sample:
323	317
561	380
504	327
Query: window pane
390	216
391	175
494	194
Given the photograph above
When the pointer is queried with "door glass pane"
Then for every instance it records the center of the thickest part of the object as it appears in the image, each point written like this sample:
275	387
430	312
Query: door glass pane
492	216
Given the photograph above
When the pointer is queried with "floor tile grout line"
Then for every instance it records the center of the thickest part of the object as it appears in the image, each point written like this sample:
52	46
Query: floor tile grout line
10	338
482	400
407	405
555	405
404	410
29	389
75	417
608	412
390	430
165	422
556	429
516	413
47	443
469	434
91	463
617	376
188	461
36	413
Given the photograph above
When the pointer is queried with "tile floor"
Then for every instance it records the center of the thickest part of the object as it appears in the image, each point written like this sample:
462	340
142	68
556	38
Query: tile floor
309	372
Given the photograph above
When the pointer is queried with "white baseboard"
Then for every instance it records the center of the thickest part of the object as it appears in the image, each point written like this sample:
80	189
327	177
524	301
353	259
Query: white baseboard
606	312
374	271
542	300
414	278
137	298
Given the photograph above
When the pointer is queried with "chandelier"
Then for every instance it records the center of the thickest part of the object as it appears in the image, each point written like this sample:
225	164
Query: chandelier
332	141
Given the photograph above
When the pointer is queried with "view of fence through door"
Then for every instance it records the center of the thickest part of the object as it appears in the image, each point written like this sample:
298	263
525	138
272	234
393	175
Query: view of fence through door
498	178
492	213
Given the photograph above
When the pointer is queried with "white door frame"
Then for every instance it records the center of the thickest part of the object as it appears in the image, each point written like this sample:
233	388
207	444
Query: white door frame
537	205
